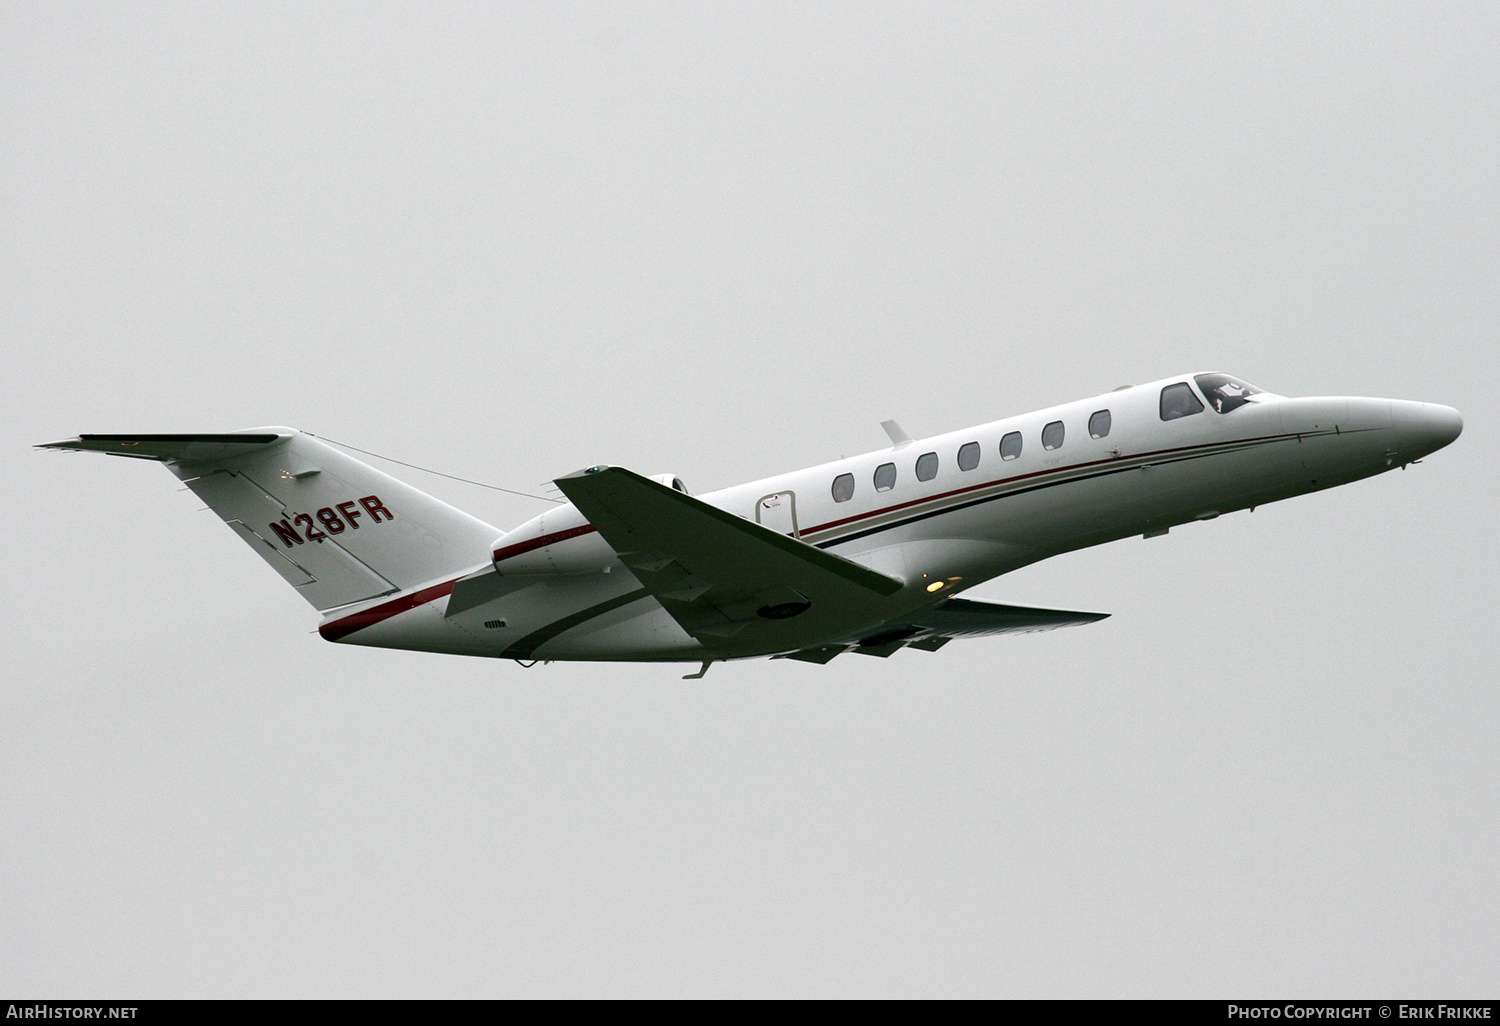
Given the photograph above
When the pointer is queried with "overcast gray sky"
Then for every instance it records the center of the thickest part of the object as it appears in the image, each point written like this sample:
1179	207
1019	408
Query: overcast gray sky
511	240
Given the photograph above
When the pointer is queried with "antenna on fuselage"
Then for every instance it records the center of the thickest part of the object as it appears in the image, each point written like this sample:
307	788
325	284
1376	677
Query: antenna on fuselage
898	436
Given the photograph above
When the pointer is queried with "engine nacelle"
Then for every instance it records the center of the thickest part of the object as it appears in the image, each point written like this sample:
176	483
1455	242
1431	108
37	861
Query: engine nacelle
560	541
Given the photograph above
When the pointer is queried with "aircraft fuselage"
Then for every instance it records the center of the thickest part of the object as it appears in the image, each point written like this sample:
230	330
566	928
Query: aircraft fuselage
939	515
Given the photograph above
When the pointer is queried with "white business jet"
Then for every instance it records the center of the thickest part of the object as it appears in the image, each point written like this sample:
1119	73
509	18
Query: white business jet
864	555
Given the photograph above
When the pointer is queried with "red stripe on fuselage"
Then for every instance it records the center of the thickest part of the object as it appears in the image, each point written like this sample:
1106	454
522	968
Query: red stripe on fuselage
547	539
342	628
1054	471
345	626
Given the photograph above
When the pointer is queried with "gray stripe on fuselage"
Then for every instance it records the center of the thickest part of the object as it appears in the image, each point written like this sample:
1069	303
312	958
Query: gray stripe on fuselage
523	648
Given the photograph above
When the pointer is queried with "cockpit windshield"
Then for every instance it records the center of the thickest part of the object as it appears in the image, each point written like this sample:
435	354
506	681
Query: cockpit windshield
1224	393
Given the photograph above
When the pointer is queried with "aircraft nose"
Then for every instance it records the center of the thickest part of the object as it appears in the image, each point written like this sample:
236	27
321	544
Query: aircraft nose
1425	427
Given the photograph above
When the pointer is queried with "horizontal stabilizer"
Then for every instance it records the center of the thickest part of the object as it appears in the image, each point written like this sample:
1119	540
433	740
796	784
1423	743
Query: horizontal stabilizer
176	448
719	575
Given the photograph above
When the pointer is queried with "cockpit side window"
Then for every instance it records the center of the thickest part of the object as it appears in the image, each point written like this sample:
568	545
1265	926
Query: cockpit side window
1179	401
1224	393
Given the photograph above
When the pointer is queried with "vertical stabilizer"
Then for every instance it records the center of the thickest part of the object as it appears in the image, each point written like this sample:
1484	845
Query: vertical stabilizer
336	529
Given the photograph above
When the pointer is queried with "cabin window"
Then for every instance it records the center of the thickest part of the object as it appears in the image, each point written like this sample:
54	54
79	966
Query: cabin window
1179	401
843	488
885	477
1052	435
927	465
1099	425
968	456
1225	393
1010	446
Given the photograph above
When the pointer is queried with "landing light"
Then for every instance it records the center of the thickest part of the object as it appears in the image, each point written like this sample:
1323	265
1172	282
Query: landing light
937	585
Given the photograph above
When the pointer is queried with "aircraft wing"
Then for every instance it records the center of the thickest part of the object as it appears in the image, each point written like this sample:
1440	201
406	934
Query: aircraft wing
972	618
721	576
932	628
